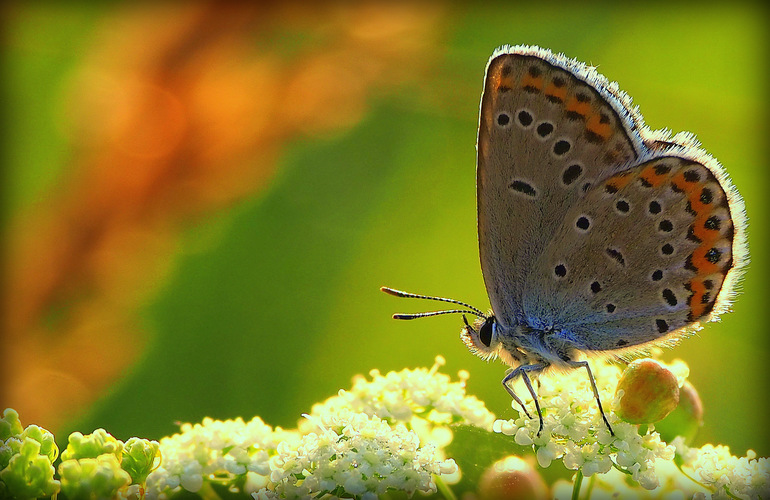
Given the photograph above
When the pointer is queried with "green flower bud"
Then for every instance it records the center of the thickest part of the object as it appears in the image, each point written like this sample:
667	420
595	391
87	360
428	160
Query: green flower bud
10	425
47	443
650	391
686	418
92	445
8	449
89	478
140	457
512	479
28	473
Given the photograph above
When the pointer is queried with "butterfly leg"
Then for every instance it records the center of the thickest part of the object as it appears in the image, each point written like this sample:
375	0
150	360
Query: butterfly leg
584	364
522	370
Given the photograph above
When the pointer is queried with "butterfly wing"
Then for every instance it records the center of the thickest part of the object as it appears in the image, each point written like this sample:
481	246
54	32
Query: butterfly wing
644	254
550	128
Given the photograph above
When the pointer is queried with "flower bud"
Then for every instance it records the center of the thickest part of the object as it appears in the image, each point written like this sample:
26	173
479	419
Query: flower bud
92	445
512	479
10	425
650	392
45	438
28	473
686	418
87	478
140	457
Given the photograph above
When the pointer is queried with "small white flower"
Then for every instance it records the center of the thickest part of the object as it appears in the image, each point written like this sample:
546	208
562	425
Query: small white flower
523	435
505	426
355	485
191	482
548	453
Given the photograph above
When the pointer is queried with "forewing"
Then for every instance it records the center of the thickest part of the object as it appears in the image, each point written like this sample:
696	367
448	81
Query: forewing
550	128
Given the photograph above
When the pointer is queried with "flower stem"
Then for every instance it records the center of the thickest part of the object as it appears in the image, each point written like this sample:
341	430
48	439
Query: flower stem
679	466
591	483
444	489
576	486
207	492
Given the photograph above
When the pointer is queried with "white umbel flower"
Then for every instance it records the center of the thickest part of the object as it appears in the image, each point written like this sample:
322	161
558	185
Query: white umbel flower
215	449
400	397
354	455
725	475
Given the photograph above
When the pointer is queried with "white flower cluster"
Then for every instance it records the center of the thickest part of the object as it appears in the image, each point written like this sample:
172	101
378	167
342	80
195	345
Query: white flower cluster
354	455
725	475
709	472
575	432
616	484
216	450
358	444
423	398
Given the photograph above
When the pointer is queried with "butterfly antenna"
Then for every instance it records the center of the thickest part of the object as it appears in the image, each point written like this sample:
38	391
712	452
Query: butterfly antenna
399	293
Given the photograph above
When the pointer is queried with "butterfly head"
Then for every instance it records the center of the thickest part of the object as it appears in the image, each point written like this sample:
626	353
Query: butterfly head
482	338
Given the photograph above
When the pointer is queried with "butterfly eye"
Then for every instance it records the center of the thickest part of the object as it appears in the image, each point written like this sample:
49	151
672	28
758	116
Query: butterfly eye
485	332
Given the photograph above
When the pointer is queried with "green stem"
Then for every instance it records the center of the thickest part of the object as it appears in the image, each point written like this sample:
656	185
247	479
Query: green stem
591	483
444	489
678	466
576	486
207	492
621	469
727	490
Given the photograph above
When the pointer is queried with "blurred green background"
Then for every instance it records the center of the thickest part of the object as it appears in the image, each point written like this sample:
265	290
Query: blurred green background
258	294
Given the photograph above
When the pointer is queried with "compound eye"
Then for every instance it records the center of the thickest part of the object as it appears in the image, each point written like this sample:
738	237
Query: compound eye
485	332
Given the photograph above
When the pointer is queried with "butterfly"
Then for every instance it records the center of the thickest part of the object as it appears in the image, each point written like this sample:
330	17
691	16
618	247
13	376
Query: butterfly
597	235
